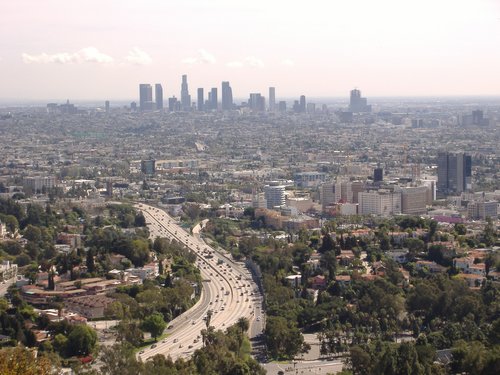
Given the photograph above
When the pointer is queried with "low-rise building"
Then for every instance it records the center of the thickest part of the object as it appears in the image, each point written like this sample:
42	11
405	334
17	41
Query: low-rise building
91	307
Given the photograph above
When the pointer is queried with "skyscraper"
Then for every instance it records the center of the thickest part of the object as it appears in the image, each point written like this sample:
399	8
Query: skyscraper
358	103
185	97
201	98
213	98
454	173
145	97
272	99
302	103
159	96
227	96
257	102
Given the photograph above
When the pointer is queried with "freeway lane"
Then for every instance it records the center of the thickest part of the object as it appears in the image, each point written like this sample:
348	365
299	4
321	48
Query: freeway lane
227	290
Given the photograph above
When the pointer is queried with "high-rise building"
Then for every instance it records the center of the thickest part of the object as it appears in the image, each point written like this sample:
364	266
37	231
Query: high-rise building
327	194
454	173
201	99
414	200
257	102
213	99
358	103
185	97
477	117
381	202
282	106
227	96
348	191
272	99
378	175
275	195
106	106
145	97
173	104
159	96
302	104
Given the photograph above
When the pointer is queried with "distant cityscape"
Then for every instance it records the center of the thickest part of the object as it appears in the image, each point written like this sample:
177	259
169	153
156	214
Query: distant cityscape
98	201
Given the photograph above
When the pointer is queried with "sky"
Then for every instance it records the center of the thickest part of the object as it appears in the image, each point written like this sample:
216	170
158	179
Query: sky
103	49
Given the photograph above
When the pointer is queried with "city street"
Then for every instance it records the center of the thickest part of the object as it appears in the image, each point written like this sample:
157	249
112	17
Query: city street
228	291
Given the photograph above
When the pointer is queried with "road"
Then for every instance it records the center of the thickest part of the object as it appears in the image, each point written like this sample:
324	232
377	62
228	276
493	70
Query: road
4	286
304	367
228	290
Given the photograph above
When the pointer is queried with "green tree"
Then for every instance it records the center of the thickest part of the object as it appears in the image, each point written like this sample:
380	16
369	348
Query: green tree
90	260
130	332
154	324
489	233
82	340
283	338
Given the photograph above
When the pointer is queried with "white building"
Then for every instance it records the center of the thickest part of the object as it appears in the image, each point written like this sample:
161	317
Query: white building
37	183
275	195
380	202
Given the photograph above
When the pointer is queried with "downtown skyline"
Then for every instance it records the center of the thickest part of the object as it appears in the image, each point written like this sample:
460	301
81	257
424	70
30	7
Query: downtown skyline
390	48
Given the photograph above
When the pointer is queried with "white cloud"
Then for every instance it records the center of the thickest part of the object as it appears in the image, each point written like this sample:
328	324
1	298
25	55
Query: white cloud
287	62
138	57
234	64
251	61
202	57
88	54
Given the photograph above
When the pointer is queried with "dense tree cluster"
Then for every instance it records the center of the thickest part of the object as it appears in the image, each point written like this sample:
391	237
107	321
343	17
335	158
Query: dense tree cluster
368	315
223	353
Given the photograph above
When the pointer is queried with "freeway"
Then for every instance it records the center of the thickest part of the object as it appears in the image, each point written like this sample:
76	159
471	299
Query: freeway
227	290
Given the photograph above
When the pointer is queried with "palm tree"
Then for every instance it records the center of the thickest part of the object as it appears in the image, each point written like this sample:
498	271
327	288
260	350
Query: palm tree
243	324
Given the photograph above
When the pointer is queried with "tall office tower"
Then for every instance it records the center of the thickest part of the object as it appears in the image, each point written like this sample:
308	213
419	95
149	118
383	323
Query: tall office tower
185	97
358	103
159	96
327	194
172	104
477	117
213	98
282	106
311	108
106	106
454	173
302	104
201	99
227	96
378	175
145	97
257	102
272	99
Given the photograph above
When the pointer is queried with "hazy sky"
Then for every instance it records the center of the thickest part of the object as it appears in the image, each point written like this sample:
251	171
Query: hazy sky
102	49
